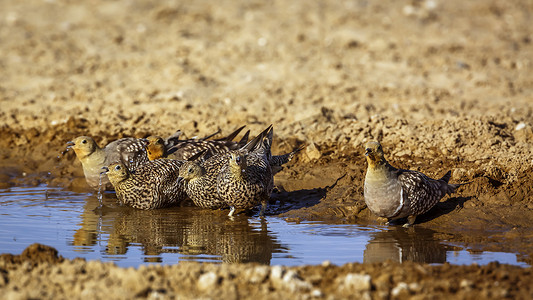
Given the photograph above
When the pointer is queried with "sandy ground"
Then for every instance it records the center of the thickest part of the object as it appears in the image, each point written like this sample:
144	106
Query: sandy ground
40	273
445	85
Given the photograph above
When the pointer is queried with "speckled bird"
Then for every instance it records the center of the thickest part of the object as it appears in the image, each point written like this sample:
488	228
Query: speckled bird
200	182
246	180
201	177
396	193
130	151
175	148
154	184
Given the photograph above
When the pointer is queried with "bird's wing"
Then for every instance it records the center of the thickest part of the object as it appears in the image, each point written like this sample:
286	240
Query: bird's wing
420	191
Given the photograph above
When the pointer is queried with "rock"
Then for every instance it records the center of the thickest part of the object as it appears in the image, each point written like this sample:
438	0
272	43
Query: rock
317	293
257	274
207	281
288	279
523	132
355	282
466	284
35	254
312	152
294	283
401	288
276	273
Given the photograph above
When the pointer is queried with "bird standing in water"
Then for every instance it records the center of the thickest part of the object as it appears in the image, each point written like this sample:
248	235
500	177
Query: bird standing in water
397	193
130	151
247	179
211	183
155	184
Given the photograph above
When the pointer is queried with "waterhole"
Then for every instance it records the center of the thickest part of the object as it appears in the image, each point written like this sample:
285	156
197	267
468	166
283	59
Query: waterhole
71	223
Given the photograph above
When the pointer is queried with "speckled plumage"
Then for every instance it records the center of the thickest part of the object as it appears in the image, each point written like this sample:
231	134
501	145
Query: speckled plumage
200	181
247	179
131	151
396	193
154	184
202	177
175	148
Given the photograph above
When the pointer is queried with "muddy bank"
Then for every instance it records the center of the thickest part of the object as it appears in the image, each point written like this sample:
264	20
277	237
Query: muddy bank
491	213
39	272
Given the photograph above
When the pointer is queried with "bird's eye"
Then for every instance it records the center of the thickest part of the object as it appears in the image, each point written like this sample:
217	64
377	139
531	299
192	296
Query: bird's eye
84	142
368	150
238	159
117	167
190	170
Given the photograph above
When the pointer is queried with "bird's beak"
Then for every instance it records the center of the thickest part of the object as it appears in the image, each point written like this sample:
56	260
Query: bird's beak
70	143
367	151
105	170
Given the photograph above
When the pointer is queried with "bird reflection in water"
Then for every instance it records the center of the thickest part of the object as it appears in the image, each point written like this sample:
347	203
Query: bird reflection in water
191	232
405	244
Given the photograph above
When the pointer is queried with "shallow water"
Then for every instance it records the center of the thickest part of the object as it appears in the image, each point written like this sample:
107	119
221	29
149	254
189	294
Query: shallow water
69	222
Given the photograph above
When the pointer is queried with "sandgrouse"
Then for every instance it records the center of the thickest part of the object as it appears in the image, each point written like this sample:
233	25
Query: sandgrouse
396	193
247	178
201	177
130	151
154	184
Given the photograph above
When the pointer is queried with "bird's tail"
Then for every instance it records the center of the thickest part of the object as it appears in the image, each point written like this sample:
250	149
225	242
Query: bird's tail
257	141
450	187
270	136
446	176
198	156
244	139
278	160
232	135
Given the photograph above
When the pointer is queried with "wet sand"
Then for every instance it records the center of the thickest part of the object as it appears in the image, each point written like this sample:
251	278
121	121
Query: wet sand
444	85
